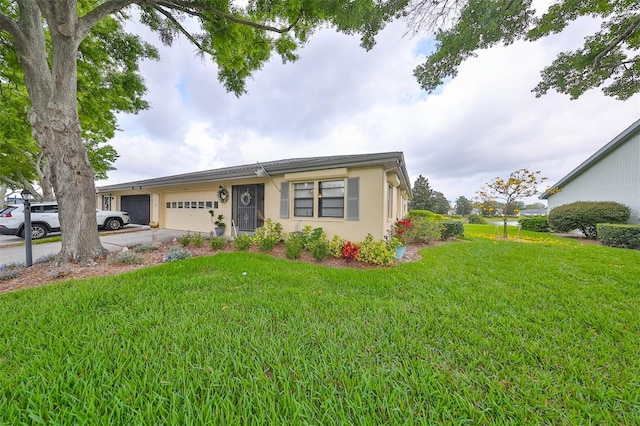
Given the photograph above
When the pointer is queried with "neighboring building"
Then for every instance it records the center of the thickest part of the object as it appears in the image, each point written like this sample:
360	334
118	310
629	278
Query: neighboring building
611	174
533	212
347	195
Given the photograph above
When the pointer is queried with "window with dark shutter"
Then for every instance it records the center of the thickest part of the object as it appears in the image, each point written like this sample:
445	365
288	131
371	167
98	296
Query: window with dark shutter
353	198
284	200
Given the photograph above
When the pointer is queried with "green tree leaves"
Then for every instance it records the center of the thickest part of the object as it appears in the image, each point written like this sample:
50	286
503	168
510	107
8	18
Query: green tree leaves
425	198
608	58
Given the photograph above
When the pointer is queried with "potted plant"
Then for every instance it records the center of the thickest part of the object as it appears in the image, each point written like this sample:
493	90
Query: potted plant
220	225
401	236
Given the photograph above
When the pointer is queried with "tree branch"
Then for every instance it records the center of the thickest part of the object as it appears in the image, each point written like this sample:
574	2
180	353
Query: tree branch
634	25
187	8
7	24
186	33
96	14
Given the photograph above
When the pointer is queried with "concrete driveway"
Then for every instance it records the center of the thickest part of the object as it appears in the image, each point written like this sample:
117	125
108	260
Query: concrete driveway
12	249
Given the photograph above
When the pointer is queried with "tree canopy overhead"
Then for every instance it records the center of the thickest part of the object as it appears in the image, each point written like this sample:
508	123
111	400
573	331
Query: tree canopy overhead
608	58
240	37
108	83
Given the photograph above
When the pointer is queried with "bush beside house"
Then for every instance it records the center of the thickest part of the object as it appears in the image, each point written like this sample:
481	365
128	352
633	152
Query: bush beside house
535	223
623	236
586	215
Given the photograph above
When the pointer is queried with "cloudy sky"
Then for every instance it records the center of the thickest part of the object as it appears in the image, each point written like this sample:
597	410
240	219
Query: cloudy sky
339	99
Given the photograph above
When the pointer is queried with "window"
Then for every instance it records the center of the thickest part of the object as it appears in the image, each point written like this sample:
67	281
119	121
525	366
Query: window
303	199
53	208
331	199
210	204
186	204
168	205
194	204
201	204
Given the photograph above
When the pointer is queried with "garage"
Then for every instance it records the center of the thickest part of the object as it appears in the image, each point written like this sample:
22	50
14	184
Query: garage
138	207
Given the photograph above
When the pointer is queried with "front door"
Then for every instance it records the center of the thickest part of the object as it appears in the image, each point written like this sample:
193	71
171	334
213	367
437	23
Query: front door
248	202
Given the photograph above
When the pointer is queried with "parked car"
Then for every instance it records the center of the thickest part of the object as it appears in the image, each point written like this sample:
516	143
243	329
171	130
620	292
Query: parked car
44	219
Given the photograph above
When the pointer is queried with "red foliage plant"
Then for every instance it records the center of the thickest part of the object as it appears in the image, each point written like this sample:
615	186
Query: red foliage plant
401	231
350	251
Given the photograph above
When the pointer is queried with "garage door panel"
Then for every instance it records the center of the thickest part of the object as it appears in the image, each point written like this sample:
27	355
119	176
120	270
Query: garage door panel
138	207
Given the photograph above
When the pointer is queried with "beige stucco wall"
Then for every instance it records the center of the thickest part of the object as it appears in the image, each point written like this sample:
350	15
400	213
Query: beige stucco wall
373	206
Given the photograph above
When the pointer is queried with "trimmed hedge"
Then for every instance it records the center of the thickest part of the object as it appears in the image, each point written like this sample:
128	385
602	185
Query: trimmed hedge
585	215
425	214
536	224
615	235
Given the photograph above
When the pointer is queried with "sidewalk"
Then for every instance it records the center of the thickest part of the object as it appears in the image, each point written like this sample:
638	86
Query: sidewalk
10	253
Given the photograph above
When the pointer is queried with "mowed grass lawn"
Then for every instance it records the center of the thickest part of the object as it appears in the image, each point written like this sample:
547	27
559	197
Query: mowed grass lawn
480	331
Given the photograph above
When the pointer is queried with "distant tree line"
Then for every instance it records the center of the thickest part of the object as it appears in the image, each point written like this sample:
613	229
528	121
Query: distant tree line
426	198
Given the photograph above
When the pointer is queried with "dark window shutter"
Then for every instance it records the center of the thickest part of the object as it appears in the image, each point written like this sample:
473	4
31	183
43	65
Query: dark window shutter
353	198
284	200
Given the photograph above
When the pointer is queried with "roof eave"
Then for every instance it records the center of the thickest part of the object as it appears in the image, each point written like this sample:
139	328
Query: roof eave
613	144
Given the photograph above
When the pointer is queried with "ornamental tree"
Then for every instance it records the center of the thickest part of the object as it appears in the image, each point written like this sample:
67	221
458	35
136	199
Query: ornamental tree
520	184
239	36
608	59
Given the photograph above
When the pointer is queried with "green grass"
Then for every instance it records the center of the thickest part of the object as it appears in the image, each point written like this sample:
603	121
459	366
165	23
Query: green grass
480	331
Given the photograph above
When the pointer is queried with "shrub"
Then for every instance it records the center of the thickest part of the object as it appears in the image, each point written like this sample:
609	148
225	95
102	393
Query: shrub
126	258
376	252
293	245
451	229
476	219
268	236
243	242
585	215
217	243
336	245
425	214
623	236
536	224
7	274
319	249
310	236
197	240
144	247
46	258
350	251
176	253
185	239
426	230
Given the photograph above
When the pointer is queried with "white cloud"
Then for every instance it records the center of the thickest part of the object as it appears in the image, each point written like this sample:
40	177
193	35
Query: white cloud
339	99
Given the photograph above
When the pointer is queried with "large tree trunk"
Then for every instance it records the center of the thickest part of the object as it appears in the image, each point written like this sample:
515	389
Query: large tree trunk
56	125
44	177
72	177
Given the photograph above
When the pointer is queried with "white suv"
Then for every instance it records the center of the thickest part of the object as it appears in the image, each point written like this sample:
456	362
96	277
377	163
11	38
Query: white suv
44	219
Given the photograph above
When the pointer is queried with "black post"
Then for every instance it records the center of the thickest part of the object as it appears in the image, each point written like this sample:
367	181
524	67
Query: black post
27	231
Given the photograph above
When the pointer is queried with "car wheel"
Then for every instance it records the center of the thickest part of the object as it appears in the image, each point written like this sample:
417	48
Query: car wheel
112	225
38	231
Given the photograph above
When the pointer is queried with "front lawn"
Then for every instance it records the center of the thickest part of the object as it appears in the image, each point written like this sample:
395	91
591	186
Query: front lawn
540	330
